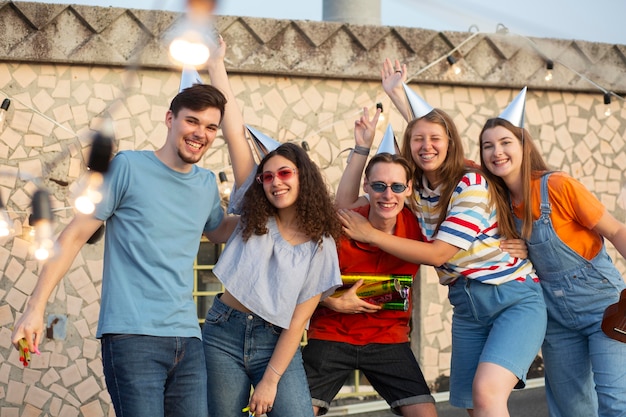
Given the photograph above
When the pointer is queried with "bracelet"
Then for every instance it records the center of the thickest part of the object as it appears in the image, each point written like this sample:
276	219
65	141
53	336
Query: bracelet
274	369
361	150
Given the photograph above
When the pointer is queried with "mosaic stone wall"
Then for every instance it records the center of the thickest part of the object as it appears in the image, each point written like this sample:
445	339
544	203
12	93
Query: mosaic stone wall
57	103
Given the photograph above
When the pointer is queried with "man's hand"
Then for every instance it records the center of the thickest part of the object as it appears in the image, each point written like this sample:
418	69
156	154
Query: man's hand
350	303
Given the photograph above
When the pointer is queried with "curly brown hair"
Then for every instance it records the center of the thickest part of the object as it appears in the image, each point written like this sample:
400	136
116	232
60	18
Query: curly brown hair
315	210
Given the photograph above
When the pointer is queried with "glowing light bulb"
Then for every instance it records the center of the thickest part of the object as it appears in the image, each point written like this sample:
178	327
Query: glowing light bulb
89	191
607	103
453	66
224	187
44	246
6	226
549	68
190	43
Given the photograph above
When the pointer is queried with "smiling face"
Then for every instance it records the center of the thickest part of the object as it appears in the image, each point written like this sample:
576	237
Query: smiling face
429	148
386	205
190	134
501	153
282	191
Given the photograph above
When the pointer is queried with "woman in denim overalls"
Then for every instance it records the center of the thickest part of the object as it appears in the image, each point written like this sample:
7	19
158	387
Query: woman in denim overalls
585	370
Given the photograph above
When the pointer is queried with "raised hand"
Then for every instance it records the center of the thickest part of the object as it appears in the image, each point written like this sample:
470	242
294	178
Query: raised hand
365	128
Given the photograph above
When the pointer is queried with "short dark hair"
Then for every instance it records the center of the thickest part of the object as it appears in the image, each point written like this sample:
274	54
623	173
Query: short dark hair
199	97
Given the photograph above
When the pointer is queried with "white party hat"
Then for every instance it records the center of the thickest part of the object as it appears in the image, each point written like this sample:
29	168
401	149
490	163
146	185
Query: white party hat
514	112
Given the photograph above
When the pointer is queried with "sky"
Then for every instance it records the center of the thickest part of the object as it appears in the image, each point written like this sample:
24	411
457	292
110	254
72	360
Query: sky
594	21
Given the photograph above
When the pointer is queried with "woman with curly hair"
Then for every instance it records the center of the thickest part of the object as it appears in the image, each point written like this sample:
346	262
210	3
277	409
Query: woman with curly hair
276	267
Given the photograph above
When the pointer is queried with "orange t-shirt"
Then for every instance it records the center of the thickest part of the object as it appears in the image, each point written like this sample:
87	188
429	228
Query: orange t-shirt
575	212
384	326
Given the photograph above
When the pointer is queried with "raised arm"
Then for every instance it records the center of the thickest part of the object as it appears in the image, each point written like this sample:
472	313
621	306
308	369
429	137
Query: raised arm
347	195
393	77
232	125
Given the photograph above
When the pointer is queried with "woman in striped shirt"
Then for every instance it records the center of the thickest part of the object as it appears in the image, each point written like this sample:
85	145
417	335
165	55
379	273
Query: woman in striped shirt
499	315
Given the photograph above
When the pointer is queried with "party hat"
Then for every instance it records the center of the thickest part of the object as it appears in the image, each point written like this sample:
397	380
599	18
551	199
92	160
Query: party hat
514	112
419	107
388	144
263	143
188	78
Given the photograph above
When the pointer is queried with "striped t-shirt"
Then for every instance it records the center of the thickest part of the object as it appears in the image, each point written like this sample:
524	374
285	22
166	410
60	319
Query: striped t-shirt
471	225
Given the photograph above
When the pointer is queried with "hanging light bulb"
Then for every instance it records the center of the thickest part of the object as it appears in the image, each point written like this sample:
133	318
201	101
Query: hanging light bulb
224	187
44	247
381	118
549	68
455	68
90	187
6	226
607	103
190	43
3	112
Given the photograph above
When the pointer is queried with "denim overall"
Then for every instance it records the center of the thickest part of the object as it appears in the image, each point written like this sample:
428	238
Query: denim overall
585	371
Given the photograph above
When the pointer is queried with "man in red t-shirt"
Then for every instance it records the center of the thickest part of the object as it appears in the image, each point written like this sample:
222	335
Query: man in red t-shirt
347	332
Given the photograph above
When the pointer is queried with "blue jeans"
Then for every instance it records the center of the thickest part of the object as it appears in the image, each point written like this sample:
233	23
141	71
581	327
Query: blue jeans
238	347
150	376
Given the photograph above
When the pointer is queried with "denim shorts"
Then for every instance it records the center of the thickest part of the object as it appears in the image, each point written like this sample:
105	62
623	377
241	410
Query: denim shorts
502	324
237	347
152	376
392	370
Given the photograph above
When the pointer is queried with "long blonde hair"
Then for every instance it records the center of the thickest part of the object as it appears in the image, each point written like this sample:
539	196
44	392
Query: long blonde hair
533	166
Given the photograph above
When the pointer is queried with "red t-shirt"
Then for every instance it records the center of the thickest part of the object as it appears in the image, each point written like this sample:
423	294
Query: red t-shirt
384	326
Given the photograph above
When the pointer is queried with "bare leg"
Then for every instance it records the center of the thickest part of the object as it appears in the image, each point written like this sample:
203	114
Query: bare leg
419	410
491	390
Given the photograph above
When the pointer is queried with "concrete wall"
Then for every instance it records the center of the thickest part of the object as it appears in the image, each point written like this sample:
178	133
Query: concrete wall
66	67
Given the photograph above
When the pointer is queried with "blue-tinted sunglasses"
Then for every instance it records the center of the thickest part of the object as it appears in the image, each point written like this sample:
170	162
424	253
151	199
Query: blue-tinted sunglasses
380	187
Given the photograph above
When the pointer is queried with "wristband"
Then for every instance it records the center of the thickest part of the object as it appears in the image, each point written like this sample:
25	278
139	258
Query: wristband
274	369
361	150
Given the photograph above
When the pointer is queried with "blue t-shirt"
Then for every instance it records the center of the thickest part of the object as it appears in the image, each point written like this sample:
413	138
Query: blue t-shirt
154	217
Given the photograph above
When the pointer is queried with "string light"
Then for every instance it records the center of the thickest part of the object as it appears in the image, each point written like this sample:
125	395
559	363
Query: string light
6	228
44	247
381	118
224	187
549	68
452	61
3	112
190	43
89	191
607	103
